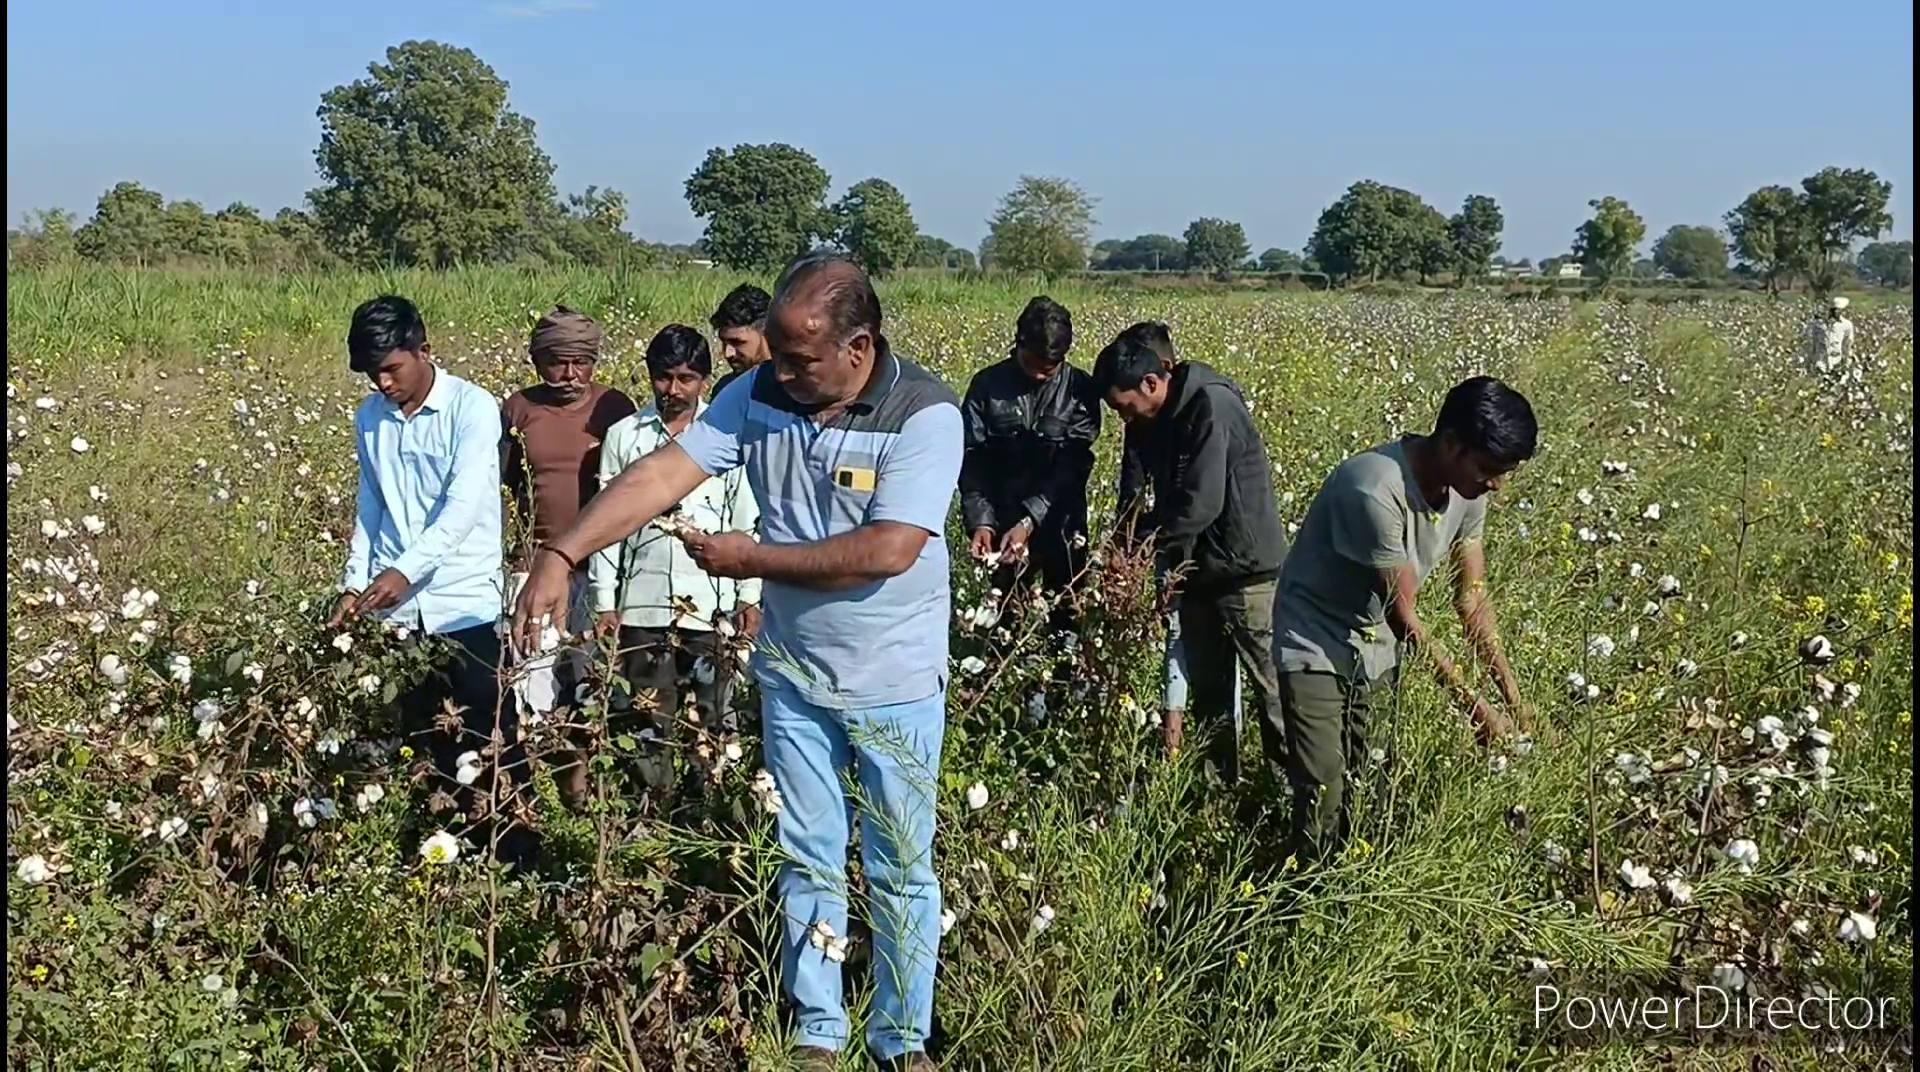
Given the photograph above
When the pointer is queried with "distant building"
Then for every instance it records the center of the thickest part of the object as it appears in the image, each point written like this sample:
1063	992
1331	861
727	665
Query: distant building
700	262
1511	271
1569	270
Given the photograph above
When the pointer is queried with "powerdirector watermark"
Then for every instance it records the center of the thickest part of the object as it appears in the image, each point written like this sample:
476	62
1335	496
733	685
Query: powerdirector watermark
1568	1014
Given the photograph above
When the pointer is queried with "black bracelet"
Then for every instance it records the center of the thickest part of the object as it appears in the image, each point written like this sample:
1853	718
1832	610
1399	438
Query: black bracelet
564	557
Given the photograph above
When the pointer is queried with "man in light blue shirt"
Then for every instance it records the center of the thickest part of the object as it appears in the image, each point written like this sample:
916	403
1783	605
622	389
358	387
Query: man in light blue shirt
853	454
426	549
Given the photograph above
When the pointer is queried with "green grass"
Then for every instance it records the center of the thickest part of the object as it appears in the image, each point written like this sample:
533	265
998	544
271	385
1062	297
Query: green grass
1785	512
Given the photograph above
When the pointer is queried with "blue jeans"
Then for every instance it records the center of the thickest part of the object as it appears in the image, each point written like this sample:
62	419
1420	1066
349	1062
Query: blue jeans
897	751
1175	682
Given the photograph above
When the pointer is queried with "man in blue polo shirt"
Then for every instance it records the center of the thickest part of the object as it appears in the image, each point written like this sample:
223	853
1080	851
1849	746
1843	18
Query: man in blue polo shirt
853	455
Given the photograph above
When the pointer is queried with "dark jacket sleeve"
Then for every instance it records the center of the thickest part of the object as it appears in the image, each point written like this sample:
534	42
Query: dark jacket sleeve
1127	519
976	507
1073	464
1199	487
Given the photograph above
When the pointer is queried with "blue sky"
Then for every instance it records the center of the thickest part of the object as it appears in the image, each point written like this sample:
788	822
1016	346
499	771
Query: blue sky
1257	111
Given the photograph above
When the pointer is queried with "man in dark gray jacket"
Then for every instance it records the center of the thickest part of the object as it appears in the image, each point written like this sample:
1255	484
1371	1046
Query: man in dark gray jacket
1216	528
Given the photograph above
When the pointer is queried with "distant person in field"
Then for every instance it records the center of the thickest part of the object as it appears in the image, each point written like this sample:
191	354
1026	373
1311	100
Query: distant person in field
1375	529
1031	421
853	454
668	613
1830	339
426	551
740	321
550	462
1217	530
1135	500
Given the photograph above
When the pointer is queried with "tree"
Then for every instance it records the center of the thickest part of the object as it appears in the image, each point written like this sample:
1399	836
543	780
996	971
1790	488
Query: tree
764	205
1769	234
128	226
45	238
1889	264
425	164
1838	207
1142	253
1691	253
1043	225
1475	231
1605	244
876	226
939	253
1280	260
1429	249
1353	238
1375	231
590	229
1216	245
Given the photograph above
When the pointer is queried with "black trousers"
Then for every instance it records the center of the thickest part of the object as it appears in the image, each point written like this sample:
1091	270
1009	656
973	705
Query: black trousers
654	662
459	708
1056	557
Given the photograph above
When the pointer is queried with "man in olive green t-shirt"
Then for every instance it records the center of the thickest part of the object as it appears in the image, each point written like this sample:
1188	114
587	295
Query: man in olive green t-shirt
1373	533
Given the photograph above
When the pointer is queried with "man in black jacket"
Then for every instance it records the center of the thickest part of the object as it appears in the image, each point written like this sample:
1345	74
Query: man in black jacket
1031	421
1216	527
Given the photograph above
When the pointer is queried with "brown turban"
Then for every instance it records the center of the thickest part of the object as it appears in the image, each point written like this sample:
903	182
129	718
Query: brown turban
565	335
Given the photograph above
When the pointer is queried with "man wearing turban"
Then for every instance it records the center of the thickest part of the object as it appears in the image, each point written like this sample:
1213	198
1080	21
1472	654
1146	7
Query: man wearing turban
550	463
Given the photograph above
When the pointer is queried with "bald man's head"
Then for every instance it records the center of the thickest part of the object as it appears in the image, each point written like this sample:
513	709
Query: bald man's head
834	292
823	329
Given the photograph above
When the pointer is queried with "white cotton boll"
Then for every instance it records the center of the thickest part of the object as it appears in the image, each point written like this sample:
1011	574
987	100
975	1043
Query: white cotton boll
467	768
1043	918
947	920
343	642
1858	928
1635	876
1600	646
1744	854
113	670
972	664
1728	977
34	870
977	796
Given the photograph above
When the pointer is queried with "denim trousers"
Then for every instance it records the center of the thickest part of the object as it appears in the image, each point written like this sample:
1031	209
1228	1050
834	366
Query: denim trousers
895	755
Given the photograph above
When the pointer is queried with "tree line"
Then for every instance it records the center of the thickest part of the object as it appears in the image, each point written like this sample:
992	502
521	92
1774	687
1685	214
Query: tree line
424	163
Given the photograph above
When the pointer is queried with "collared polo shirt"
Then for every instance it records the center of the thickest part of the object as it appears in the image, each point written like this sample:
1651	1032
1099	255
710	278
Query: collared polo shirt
891	455
429	505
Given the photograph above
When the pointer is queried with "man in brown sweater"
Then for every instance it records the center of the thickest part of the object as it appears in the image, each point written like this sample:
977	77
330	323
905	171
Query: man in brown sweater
550	463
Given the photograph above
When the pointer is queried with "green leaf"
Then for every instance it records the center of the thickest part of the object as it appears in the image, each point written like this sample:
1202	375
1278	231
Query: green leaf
651	958
235	662
470	944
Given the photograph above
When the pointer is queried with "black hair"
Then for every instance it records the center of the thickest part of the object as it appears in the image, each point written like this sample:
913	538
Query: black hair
1155	336
1487	416
678	345
1045	326
745	306
381	326
1125	364
847	295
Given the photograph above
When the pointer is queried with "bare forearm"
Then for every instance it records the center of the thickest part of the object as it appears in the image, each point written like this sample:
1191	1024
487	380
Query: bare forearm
1483	634
864	556
645	490
1410	631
